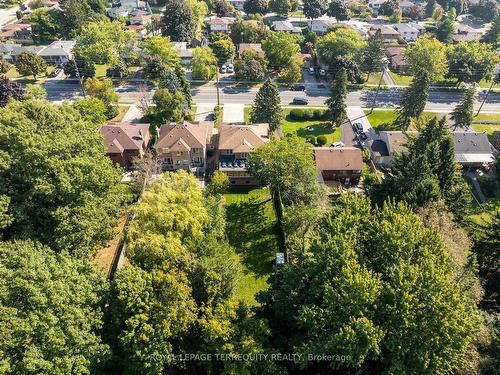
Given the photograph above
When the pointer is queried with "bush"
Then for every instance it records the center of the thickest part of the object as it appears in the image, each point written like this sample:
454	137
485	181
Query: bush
318	114
308	115
189	117
488	185
311	139
297	114
321	140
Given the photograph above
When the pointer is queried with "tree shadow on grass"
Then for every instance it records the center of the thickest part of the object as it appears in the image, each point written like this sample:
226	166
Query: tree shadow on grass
252	232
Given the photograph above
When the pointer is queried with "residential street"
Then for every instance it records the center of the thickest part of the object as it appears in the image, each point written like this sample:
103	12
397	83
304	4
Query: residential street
439	99
7	15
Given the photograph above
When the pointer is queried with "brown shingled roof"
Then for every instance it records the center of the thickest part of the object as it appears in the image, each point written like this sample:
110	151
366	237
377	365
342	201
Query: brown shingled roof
186	135
243	138
338	158
125	136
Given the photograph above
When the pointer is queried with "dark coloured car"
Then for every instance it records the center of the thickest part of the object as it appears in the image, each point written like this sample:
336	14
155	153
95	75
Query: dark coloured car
298	88
300	101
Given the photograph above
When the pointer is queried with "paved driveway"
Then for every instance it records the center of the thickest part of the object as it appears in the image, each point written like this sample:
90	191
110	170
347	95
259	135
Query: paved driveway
233	113
204	112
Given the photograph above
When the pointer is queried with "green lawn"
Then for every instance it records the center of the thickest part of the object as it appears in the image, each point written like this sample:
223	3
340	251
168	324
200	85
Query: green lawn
374	79
379	118
251	229
321	127
401	79
13	73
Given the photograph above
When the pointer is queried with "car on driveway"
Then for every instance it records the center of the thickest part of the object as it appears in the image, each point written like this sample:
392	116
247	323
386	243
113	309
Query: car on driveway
230	68
311	70
223	69
300	101
298	88
322	73
337	144
358	127
363	136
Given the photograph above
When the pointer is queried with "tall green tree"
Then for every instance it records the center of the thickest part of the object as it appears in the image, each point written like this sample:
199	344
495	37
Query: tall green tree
362	290
45	25
283	7
250	66
427	172
338	9
337	101
167	108
492	36
51	313
63	189
342	41
174	298
178	21
374	55
255	6
446	27
75	14
463	113
429	55
103	90
29	63
10	90
163	48
471	61
314	8
203	64
103	42
92	110
224	50
267	106
414	100
4	66
280	48
430	6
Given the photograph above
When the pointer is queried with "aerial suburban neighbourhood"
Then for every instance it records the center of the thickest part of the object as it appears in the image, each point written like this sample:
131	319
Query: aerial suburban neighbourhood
249	187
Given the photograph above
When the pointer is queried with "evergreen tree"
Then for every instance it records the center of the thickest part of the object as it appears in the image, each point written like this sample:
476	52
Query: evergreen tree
29	63
374	55
413	101
338	9
267	106
464	111
492	36
429	8
336	102
446	27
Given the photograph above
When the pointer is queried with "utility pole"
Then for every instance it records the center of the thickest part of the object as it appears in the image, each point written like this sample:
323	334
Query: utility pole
485	97
217	77
379	84
79	77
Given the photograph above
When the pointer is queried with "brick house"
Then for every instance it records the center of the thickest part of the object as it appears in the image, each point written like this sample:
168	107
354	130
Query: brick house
125	141
234	144
342	164
184	146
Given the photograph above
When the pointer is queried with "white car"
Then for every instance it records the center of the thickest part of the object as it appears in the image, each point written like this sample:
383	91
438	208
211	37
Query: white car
310	129
322	72
311	70
338	144
230	68
223	69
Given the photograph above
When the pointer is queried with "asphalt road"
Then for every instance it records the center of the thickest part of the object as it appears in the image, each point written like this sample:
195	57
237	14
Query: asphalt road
438	99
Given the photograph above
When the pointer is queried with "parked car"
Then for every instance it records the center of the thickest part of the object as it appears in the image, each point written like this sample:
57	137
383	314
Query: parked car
311	70
338	144
298	88
300	101
58	70
322	73
230	68
310	129
223	69
358	127
363	136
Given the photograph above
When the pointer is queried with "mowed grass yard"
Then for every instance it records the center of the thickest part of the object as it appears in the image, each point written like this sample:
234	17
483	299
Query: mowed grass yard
299	127
251	229
379	118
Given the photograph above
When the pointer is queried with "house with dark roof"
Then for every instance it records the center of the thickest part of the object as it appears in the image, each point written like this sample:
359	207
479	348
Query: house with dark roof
184	146
342	164
472	149
125	141
234	145
396	56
